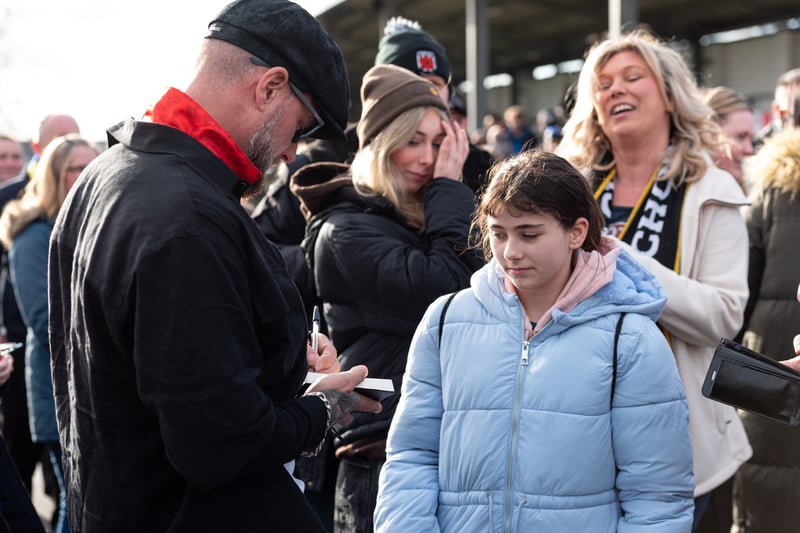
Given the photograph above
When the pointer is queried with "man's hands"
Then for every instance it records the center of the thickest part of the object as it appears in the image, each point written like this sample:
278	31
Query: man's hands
6	367
338	388
324	361
795	361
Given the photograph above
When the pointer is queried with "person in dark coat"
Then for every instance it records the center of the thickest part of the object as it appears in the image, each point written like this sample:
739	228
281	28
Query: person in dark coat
25	227
179	342
385	238
765	487
404	44
17	513
24	452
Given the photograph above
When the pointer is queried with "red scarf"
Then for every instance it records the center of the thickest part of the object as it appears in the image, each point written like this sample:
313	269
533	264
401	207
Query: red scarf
178	110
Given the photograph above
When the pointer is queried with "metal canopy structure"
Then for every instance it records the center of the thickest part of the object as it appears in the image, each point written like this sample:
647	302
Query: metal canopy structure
523	34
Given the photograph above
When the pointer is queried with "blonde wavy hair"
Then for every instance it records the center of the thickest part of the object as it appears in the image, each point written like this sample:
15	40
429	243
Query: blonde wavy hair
724	101
374	173
44	194
693	133
777	163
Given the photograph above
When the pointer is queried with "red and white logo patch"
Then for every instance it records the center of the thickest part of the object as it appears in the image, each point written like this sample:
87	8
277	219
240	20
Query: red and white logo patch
426	61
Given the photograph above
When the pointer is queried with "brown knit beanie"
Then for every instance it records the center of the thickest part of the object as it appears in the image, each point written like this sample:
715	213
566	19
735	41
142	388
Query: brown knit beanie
386	92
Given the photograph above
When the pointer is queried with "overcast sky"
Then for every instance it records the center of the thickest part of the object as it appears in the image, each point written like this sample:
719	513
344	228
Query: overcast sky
98	60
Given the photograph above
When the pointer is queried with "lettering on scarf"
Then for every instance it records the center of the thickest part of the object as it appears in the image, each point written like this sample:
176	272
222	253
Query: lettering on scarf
651	227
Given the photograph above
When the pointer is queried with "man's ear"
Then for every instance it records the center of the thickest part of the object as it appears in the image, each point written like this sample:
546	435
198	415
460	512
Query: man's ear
271	83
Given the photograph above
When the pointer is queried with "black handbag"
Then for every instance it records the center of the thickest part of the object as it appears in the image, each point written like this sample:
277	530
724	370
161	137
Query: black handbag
751	381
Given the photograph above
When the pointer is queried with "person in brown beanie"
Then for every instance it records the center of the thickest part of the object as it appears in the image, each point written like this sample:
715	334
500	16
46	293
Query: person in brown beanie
406	44
386	236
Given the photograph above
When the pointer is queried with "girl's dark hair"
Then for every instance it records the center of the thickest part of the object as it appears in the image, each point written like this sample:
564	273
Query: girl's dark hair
536	181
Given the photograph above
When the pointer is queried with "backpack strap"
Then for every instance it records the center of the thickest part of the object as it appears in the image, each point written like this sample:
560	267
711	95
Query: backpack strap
441	317
614	371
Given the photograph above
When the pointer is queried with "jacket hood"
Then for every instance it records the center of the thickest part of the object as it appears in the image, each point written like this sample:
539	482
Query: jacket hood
326	188
317	184
603	282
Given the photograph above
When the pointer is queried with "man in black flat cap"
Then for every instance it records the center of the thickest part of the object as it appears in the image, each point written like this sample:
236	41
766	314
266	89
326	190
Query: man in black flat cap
179	341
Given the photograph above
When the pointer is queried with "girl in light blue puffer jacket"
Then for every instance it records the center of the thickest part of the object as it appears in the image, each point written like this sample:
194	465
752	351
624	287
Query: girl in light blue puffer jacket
548	400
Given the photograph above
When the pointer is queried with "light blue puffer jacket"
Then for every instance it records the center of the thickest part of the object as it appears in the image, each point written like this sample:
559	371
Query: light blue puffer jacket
496	434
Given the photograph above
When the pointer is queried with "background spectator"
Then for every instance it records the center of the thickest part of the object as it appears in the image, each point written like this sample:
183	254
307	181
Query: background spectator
25	227
734	114
765	488
16	429
12	157
517	131
785	85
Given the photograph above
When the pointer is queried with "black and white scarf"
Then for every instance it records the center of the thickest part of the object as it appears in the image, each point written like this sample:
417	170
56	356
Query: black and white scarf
653	226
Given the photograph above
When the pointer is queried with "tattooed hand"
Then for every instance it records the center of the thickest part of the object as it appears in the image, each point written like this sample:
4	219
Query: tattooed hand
338	388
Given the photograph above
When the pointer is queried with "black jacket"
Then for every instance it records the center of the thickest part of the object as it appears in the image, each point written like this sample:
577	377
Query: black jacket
11	319
377	275
178	344
278	214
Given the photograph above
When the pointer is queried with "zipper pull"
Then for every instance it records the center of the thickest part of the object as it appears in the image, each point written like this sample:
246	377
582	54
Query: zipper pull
524	360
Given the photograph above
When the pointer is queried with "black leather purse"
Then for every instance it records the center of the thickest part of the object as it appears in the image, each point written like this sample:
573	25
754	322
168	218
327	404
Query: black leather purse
751	381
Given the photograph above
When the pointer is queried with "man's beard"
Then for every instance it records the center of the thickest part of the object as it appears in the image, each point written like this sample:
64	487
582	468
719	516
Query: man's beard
261	151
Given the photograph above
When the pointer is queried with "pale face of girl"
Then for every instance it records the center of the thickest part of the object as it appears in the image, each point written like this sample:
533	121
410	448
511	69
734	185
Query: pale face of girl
535	250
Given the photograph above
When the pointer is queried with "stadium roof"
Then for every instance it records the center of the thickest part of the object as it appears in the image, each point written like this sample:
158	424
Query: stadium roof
524	34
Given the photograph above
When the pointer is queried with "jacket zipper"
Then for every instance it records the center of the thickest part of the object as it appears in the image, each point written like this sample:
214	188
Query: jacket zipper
523	362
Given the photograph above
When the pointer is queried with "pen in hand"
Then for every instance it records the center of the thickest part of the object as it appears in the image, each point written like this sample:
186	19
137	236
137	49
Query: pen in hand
9	347
315	329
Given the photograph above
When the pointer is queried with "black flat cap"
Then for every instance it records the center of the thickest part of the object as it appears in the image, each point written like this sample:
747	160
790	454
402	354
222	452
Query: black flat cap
283	34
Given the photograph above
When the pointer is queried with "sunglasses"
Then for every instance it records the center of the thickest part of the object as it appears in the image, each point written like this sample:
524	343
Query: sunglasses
301	133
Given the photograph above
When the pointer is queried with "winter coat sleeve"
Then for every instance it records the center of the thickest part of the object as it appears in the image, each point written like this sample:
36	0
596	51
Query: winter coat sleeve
708	301
448	215
754	220
28	262
650	434
408	492
28	268
374	260
197	365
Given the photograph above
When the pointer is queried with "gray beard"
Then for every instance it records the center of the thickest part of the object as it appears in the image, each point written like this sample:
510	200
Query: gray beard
261	151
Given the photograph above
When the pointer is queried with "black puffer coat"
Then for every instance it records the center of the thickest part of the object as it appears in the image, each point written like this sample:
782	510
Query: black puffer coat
376	275
766	487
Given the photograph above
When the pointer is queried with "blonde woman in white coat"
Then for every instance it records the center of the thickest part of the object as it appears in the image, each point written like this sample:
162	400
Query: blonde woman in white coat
641	130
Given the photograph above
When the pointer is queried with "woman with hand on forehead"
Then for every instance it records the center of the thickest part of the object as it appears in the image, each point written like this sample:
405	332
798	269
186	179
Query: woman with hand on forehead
385	237
641	131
